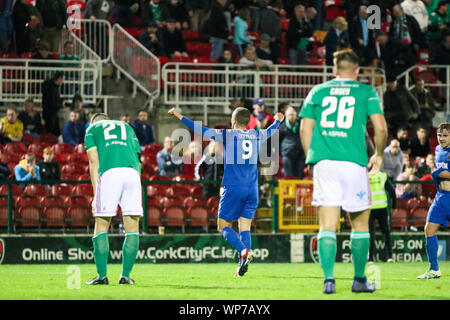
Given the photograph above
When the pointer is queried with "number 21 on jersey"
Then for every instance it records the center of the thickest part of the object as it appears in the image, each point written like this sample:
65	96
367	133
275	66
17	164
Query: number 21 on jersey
345	109
111	126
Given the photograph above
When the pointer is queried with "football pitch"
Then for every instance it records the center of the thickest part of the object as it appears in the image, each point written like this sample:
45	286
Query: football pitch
264	281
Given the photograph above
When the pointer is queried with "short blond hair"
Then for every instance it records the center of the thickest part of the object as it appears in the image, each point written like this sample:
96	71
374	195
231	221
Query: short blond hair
345	60
48	150
30	157
340	23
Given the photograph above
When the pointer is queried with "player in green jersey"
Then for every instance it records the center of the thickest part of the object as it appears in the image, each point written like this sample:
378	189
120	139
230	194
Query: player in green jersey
113	151
333	125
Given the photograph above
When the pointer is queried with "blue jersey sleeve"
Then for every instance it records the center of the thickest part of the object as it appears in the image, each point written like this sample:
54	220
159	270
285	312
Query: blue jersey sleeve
442	163
215	134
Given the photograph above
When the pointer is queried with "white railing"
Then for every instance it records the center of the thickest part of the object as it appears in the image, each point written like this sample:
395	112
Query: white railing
436	77
217	84
96	36
136	62
22	78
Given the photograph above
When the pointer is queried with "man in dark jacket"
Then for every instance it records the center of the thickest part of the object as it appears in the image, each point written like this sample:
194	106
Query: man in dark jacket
176	10
27	25
143	130
299	30
174	43
152	11
51	102
152	39
218	29
54	16
73	130
31	119
290	145
400	107
123	12
361	36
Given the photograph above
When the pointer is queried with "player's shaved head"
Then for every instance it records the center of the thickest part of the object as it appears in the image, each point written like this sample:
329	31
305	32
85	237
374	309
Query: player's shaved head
98	117
241	115
345	61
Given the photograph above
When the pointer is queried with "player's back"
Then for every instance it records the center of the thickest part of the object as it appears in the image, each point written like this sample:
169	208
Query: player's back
116	144
341	108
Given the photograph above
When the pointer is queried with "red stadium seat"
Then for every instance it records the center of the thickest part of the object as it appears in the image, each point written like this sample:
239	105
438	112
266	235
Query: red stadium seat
144	176
79	148
148	158
212	215
84	176
148	169
197	191
183	177
82	190
35	190
399	218
4	211
198	216
153	216
190	35
81	158
159	177
414	203
53	211
213	201
154	189
64	148
15	147
79	216
29	211
419	216
178	191
60	190
73	168
27	139
11	157
191	202
76	201
166	202
174	217
48	138
37	147
16	190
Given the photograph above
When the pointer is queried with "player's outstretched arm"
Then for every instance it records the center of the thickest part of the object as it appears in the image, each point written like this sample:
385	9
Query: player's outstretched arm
381	134
175	113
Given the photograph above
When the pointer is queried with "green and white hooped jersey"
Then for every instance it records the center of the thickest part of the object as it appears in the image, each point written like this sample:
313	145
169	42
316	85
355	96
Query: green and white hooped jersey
341	108
117	145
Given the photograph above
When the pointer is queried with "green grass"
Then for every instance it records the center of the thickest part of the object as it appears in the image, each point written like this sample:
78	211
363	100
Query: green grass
216	281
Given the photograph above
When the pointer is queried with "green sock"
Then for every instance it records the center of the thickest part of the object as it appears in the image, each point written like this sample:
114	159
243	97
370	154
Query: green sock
101	252
129	250
327	252
360	243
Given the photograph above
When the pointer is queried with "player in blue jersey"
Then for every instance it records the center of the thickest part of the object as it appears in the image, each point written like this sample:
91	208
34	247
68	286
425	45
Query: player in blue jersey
239	199
439	212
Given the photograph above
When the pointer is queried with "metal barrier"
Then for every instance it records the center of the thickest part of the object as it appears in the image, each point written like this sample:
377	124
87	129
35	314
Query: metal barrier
22	78
135	61
217	84
436	77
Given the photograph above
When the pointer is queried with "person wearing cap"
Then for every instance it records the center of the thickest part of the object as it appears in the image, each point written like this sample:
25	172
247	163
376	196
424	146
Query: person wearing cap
152	39
174	43
264	50
49	169
259	119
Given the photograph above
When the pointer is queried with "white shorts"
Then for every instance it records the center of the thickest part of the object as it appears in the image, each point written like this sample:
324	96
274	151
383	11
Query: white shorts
341	184
118	186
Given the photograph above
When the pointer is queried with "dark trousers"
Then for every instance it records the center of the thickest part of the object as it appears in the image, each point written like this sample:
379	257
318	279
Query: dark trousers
52	123
385	226
294	166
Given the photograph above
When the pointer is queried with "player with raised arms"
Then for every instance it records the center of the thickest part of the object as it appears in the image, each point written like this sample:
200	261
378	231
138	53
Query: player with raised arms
113	151
334	117
239	199
439	212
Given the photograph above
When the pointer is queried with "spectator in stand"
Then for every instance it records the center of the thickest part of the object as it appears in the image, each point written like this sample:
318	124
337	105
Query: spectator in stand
253	62
152	11
310	15
73	130
176	10
426	103
259	119
27	170
240	30
426	167
400	107
98	9
125	118
282	107
264	50
393	160
420	145
226	58
152	39
31	119
69	55
299	30
124	11
210	167
4	170
417	9
51	102
49	169
443	58
11	128
439	25
6	25
405	142
361	36
27	26
222	77
256	8
218	28
409	190
143	130
290	145
191	156
174	43
54	18
394	56
406	29
167	164
336	39
270	25
197	10
43	53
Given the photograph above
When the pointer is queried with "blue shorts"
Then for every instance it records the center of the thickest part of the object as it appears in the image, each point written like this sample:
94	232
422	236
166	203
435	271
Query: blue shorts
238	201
439	211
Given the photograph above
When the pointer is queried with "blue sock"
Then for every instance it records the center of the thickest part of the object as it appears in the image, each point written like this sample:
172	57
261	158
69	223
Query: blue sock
432	247
231	236
246	239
